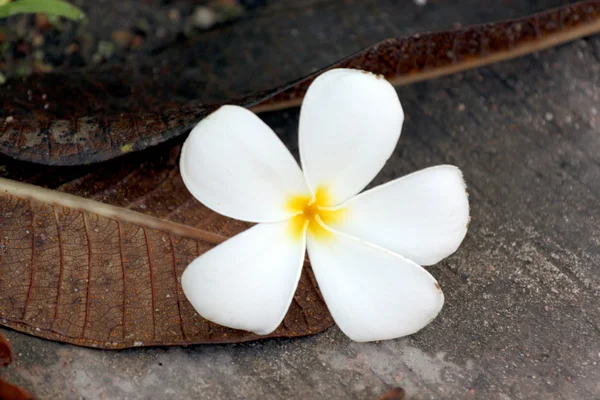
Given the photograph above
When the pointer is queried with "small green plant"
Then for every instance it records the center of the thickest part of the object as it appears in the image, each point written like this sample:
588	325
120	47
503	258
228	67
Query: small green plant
52	7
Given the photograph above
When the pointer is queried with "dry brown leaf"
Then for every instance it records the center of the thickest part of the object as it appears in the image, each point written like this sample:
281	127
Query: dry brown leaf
8	391
92	274
91	115
5	351
394	394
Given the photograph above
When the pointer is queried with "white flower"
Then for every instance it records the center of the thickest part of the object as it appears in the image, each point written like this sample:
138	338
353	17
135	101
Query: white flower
365	249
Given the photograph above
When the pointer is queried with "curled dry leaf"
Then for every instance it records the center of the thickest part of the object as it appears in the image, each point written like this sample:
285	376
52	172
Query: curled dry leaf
91	115
394	394
8	391
5	351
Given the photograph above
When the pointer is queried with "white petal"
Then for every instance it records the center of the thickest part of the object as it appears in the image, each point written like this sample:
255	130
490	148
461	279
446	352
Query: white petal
372	293
249	281
422	216
350	122
235	164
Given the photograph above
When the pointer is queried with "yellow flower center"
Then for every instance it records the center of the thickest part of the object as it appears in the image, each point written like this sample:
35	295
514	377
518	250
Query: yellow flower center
309	209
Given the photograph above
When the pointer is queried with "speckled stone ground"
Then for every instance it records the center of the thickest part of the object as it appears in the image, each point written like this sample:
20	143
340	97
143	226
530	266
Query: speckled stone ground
522	315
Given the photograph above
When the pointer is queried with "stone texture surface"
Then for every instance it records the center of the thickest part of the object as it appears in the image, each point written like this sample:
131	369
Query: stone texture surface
522	315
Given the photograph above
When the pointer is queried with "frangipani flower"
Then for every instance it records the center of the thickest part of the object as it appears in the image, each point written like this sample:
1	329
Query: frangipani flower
366	249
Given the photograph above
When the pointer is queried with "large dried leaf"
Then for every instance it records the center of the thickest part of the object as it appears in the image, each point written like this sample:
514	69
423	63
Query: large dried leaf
150	184
91	115
60	254
91	274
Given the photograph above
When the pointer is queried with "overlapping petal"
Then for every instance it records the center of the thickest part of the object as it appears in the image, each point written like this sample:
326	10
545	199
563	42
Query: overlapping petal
372	293
234	163
350	122
423	216
249	281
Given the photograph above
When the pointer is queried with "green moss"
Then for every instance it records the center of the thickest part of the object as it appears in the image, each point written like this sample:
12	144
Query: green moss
126	148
